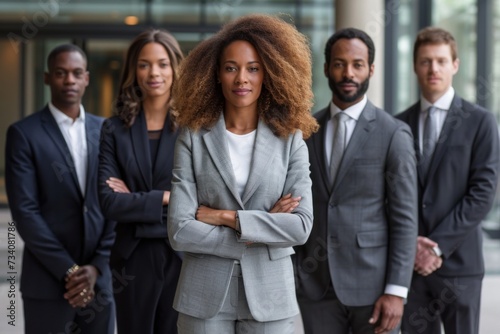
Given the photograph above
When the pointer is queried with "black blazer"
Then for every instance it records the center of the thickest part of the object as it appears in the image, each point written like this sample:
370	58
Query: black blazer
460	186
125	154
58	225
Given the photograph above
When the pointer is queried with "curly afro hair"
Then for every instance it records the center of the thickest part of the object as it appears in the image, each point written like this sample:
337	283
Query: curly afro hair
286	98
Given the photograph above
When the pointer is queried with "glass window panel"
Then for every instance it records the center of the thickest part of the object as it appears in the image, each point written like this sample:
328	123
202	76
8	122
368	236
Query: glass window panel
493	82
219	12
406	80
459	18
174	12
9	95
39	13
317	24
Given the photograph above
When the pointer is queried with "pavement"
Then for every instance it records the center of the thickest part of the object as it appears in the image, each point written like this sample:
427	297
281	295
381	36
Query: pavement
12	320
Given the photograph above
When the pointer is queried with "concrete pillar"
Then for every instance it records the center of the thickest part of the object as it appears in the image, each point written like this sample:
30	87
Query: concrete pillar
369	16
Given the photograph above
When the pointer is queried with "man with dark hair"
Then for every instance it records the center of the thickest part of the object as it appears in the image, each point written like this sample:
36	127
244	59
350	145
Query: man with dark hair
51	180
458	149
354	272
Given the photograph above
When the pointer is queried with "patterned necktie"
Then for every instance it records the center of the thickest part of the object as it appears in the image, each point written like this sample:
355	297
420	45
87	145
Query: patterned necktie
338	145
429	140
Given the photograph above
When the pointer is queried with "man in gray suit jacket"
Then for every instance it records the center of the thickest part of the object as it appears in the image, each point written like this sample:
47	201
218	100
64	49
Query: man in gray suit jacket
354	272
458	148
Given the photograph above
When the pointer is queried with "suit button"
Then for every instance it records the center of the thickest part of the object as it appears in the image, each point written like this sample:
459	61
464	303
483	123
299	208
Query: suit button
85	209
424	206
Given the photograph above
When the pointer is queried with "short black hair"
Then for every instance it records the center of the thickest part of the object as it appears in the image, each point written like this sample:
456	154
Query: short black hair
350	33
61	49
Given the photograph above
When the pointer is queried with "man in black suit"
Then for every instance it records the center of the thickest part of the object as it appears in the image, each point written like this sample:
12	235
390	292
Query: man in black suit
51	180
458	148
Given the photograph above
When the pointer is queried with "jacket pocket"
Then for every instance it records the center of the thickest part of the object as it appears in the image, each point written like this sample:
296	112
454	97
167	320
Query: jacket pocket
369	239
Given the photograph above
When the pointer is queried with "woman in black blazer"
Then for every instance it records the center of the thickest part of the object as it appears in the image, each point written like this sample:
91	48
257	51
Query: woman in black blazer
135	173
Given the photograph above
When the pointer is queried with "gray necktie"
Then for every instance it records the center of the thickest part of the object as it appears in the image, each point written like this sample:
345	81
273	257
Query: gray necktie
429	140
338	145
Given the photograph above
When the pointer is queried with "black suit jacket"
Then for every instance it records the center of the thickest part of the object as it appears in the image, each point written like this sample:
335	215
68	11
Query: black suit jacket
125	154
460	185
59	226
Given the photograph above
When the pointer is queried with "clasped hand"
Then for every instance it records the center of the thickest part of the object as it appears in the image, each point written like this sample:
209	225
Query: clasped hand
80	286
426	261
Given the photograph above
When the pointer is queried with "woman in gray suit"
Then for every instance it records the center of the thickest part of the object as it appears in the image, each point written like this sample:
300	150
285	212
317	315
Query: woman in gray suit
241	192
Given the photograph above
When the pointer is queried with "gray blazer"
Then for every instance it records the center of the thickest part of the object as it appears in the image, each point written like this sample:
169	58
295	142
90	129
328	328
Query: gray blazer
203	175
365	229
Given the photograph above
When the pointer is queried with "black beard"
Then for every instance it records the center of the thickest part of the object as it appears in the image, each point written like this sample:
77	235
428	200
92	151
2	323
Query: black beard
337	91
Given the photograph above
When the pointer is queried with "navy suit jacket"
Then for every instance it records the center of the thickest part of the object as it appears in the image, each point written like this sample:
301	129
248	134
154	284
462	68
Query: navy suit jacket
59	226
125	154
460	186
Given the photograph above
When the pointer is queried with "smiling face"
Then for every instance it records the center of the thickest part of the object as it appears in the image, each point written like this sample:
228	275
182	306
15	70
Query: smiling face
435	69
154	73
348	72
67	77
241	75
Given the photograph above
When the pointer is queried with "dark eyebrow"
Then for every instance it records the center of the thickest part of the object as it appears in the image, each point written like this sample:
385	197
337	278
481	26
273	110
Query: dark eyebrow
250	62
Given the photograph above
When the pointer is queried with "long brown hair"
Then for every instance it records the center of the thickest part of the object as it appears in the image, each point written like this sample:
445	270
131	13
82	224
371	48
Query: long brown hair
129	100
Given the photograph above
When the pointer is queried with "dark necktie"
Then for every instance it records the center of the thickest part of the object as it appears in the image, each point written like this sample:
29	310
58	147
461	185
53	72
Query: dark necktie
338	145
429	140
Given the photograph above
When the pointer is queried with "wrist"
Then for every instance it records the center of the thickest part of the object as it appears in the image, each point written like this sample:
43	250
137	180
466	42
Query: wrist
74	268
166	197
437	251
237	226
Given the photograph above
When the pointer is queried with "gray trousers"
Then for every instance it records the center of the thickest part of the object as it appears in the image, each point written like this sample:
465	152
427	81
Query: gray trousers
234	317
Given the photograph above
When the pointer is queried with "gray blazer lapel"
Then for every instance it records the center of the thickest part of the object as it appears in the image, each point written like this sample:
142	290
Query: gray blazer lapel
265	140
217	147
361	133
319	148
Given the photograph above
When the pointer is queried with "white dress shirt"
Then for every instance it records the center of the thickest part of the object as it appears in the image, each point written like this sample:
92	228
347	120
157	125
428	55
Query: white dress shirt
354	112
241	151
76	139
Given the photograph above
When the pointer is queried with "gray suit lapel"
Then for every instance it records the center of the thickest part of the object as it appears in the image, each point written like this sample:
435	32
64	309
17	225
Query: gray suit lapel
216	143
265	142
319	148
361	133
